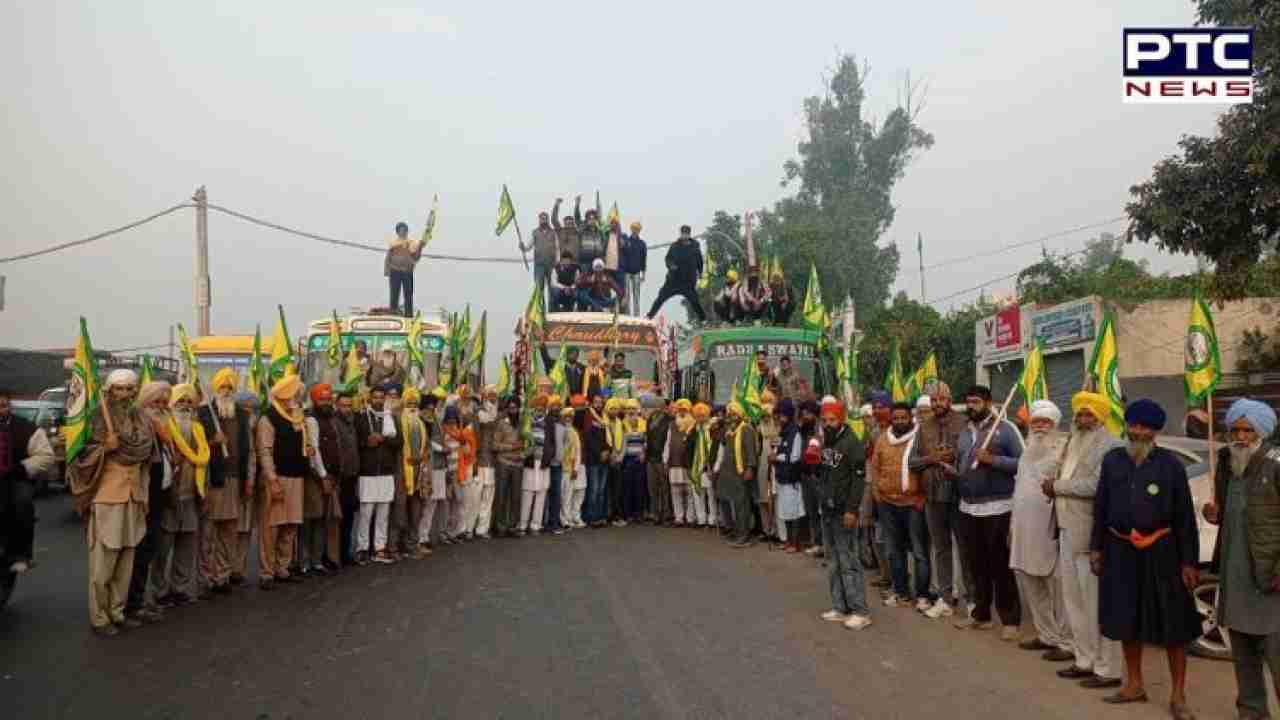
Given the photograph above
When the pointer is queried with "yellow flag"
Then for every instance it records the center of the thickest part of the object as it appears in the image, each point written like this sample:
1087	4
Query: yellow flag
506	211
1203	363
430	227
614	215
1104	372
1033	384
82	401
282	360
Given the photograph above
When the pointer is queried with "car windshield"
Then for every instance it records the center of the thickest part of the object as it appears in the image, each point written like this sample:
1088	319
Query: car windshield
26	412
726	371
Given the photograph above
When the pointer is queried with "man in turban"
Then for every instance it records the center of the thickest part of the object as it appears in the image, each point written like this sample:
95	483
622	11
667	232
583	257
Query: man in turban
1033	549
540	452
486	426
153	407
508	449
676	456
174	574
635	260
247	402
1246	506
284	457
1073	489
1146	548
109	482
657	425
381	442
840	494
322	511
934	457
736	468
231	475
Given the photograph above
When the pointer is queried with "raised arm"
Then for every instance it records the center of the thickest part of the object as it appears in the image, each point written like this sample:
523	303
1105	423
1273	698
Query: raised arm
555	214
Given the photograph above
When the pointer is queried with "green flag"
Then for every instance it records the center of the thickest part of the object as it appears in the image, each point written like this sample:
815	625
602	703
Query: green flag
506	211
1203	362
352	374
504	378
814	312
893	381
414	343
190	371
86	391
147	374
430	228
283	361
335	341
924	377
559	379
1104	373
535	311
475	347
1033	384
748	391
256	379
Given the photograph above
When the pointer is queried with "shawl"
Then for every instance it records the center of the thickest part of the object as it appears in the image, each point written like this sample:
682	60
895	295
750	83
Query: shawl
198	456
410	425
737	447
571	449
701	450
592	371
136	437
910	440
466	439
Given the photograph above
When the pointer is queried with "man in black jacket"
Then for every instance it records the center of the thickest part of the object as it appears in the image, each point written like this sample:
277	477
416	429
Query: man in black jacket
17	489
841	483
635	261
684	266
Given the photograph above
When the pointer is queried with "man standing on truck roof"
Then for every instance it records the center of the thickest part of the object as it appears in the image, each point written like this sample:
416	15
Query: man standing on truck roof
592	239
402	257
569	236
635	260
684	266
546	248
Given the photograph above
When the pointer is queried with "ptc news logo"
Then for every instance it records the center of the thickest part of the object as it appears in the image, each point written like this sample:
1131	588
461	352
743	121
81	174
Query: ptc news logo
1188	65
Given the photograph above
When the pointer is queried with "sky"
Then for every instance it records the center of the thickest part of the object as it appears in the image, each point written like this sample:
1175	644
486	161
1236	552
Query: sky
343	118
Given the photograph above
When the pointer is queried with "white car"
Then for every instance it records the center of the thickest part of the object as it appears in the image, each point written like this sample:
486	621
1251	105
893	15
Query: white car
1194	454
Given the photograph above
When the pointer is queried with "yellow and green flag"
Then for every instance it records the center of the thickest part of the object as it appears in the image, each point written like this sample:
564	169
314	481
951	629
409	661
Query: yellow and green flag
613	215
1033	384
1203	362
925	375
814	312
708	271
506	211
535	311
1104	373
559	379
147	373
335	341
414	342
504	378
475	351
190	370
255	381
86	391
747	391
282	359
352	374
429	229
894	382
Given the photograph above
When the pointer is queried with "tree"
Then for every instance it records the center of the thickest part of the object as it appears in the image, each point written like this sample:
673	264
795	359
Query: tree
1220	198
844	178
920	330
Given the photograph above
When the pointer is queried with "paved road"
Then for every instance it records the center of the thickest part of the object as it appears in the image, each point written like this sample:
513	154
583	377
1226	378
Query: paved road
621	623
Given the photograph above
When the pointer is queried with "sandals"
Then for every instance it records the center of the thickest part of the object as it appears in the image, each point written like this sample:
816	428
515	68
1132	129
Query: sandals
1121	699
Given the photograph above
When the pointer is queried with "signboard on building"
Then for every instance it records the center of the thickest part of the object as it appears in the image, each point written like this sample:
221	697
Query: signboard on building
999	337
1070	323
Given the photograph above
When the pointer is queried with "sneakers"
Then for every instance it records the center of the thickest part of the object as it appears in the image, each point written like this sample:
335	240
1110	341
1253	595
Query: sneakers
835	616
619	523
971	624
814	551
19	567
857	622
939	609
1009	633
382	558
894	601
923	605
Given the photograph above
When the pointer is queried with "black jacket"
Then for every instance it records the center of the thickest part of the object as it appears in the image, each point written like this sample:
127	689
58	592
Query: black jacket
842	480
684	263
594	442
655	434
384	459
21	431
635	254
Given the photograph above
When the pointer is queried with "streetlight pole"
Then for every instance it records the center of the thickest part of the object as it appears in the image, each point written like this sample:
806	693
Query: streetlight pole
201	199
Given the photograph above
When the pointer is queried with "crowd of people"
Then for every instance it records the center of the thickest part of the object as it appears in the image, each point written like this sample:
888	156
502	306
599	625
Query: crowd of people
1095	535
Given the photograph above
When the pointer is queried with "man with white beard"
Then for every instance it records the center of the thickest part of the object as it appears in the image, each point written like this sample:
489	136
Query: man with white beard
232	469
1097	660
1247	559
1033	552
174	569
109	483
486	425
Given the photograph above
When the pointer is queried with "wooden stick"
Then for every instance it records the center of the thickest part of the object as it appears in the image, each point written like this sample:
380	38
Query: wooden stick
519	238
1004	409
106	414
217	424
1213	457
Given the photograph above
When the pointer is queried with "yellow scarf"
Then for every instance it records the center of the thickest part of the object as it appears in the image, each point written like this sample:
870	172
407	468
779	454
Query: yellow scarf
298	420
410	469
570	461
592	371
198	457
617	435
737	447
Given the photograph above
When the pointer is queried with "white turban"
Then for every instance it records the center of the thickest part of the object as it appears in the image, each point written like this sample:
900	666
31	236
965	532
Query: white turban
123	376
867	410
1043	409
924	402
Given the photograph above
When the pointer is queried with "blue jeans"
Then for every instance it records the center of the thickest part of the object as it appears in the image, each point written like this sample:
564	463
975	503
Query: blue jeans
848	587
591	302
542	274
908	532
597	484
551	517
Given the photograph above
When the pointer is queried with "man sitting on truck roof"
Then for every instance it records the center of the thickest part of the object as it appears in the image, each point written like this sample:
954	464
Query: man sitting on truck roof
564	278
726	301
782	301
597	290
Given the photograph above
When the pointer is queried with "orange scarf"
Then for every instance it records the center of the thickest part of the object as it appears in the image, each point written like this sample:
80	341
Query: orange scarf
466	439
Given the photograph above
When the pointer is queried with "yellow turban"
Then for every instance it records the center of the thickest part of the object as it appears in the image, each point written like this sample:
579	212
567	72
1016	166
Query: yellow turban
184	391
612	404
683	405
735	409
632	404
439	393
768	398
732	275
554	400
287	387
1095	403
702	411
225	378
411	396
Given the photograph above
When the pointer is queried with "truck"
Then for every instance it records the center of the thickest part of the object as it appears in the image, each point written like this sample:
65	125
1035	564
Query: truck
712	359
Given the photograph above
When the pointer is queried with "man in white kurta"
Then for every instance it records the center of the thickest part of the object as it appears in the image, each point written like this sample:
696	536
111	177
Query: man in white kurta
1033	550
1098	663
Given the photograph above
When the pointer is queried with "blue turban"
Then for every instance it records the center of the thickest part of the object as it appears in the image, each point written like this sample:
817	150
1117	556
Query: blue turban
387	387
879	398
649	401
1258	414
451	415
786	409
1146	413
244	397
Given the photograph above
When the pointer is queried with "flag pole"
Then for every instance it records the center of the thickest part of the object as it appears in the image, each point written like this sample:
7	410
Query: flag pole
1213	457
1004	410
519	237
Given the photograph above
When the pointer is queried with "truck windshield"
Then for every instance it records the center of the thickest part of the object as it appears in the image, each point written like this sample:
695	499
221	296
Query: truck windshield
726	371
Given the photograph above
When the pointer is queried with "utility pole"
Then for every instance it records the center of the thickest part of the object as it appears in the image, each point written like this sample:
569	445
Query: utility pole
171	342
202	261
920	250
